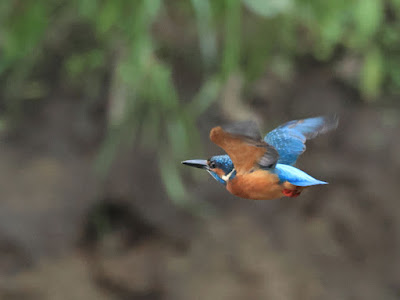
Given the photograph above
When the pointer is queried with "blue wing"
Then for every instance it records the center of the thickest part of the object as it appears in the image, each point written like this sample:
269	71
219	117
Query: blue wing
295	176
289	139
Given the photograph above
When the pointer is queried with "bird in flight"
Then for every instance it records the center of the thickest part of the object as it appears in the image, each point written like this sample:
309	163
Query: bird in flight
263	169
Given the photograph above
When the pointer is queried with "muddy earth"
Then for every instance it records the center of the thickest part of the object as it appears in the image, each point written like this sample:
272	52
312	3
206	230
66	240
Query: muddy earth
67	234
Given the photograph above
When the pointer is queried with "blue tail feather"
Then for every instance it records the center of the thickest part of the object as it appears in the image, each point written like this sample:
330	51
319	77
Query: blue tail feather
295	176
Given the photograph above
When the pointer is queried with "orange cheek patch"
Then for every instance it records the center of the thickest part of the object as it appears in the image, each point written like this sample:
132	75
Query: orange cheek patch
219	172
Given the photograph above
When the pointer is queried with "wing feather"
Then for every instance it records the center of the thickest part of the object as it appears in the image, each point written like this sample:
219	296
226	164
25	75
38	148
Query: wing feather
289	139
242	142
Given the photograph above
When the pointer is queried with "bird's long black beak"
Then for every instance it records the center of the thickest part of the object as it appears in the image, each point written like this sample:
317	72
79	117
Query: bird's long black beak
197	163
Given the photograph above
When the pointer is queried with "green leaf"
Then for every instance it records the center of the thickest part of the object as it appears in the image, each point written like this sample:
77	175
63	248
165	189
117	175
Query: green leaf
331	32
172	180
151	9
206	96
372	74
88	8
75	65
177	137
368	15
268	8
231	55
108	16
207	34
396	5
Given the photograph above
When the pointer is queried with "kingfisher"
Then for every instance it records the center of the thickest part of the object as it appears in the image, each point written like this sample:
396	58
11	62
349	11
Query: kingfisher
263	169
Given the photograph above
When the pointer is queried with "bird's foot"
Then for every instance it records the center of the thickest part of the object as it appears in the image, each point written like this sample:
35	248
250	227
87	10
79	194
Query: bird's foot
291	193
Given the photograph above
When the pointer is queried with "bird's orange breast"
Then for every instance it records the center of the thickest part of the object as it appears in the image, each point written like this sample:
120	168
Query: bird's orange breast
258	185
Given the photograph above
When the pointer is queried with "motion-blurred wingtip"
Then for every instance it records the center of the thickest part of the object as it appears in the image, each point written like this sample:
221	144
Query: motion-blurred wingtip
331	122
248	128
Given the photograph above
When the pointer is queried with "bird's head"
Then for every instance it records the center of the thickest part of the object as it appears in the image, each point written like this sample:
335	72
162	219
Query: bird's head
220	167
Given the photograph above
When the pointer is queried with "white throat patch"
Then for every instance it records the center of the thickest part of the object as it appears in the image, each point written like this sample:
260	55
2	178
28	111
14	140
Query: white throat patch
227	176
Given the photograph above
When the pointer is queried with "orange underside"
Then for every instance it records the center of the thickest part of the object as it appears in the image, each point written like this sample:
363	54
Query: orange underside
261	185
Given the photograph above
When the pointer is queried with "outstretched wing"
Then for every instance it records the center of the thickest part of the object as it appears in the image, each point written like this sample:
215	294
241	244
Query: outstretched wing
289	139
242	142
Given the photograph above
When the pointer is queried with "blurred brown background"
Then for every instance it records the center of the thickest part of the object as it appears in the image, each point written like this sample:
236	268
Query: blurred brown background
101	100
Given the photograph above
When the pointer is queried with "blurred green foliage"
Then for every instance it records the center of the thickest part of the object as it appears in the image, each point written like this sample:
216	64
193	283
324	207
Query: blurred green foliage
247	36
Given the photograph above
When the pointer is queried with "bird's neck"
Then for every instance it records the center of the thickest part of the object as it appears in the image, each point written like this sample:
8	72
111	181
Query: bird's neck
228	176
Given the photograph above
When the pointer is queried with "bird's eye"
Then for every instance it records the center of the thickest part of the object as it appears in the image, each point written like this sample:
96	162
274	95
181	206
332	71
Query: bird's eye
212	164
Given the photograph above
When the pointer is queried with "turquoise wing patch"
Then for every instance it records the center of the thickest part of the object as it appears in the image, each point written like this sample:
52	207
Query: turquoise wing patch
289	139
